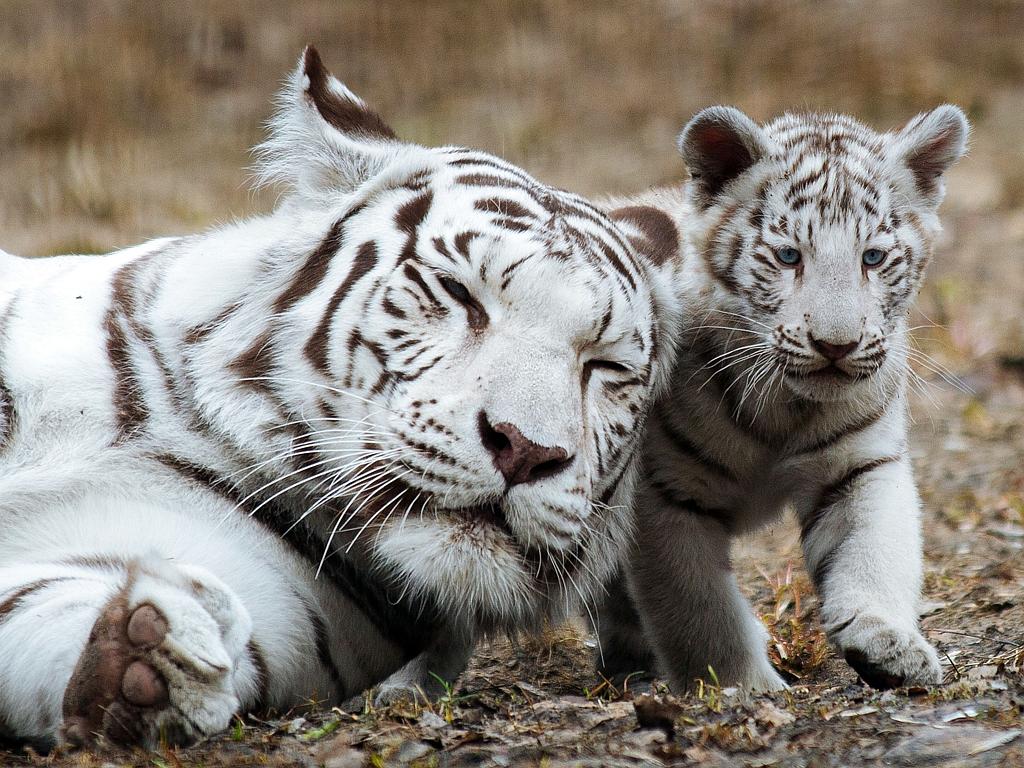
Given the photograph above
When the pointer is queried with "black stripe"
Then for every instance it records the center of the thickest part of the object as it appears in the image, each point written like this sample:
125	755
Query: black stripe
462	241
259	663
8	414
503	206
685	504
847	431
199	475
323	652
414	275
489	161
513	225
311	274
490	180
317	346
616	262
836	491
12	603
408	219
693	452
129	403
97	561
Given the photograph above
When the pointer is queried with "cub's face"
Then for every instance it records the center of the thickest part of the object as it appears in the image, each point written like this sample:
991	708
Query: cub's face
818	234
487	349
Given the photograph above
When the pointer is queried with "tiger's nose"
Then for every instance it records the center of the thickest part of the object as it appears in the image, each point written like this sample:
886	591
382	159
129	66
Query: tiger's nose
831	350
519	459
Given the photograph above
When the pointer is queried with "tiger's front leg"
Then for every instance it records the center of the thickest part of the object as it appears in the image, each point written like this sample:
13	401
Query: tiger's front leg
136	651
862	546
428	673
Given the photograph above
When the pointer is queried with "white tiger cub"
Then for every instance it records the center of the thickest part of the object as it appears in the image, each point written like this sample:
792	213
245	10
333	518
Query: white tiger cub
806	241
422	379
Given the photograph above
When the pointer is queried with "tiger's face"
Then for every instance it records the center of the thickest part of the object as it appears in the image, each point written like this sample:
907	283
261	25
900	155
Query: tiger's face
817	232
489	350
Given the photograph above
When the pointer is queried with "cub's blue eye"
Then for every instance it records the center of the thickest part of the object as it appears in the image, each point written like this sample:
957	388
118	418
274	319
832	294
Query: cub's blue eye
788	256
873	257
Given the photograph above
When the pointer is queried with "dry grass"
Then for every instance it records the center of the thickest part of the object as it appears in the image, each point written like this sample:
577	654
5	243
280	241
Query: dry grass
123	119
798	645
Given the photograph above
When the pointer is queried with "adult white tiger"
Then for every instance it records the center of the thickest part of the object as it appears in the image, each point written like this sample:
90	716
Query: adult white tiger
424	376
806	242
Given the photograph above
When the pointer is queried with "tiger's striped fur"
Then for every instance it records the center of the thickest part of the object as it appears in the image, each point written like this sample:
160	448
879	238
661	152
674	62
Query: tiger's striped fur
300	454
790	391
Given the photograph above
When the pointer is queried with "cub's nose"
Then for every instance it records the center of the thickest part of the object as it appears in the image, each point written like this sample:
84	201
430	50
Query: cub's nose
519	459
831	350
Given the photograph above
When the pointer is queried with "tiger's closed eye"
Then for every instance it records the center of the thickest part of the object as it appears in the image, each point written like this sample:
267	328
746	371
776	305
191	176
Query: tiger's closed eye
607	365
475	313
456	290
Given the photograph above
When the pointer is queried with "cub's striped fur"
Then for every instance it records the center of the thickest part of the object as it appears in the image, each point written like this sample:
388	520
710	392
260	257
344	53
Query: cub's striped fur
806	240
298	455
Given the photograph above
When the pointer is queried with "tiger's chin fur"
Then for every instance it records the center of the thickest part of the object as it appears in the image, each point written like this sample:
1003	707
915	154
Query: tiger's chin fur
322	449
805	242
481	571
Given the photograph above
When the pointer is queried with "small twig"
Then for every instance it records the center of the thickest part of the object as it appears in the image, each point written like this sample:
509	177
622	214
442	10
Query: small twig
976	637
956	669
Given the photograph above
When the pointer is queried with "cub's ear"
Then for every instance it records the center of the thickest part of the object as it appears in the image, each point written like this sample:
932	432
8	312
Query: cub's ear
323	137
929	144
718	145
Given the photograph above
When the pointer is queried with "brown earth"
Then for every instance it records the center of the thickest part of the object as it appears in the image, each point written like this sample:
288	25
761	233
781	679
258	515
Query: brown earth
123	121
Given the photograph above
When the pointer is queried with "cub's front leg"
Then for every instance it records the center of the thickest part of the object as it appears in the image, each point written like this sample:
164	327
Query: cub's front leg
862	545
690	605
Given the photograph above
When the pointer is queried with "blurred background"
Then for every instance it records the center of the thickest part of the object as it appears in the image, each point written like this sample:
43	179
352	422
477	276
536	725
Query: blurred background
123	120
127	119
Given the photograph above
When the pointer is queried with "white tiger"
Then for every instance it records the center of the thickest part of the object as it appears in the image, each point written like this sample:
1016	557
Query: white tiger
806	240
422	379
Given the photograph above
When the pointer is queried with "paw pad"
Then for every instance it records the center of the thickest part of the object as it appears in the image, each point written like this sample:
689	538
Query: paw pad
147	627
143	686
112	685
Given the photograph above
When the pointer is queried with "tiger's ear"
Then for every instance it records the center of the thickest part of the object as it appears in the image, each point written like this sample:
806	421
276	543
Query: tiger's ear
718	145
323	137
656	238
928	145
651	231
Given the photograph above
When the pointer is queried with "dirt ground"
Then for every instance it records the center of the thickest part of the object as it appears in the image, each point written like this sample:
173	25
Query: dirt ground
124	121
539	702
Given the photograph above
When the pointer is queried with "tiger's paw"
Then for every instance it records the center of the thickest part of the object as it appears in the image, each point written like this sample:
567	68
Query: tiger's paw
158	665
886	656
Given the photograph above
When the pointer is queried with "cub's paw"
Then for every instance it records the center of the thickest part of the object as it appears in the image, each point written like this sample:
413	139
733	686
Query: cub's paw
753	675
764	679
886	656
159	662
